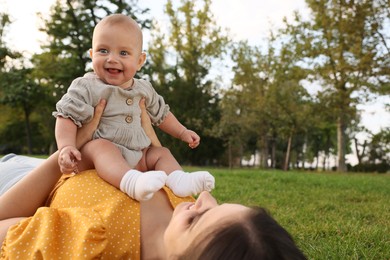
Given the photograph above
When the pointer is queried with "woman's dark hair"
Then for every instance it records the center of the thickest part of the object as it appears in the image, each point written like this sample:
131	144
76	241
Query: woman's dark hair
258	236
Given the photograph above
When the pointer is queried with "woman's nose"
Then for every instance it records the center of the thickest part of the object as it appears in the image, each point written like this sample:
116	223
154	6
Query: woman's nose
205	201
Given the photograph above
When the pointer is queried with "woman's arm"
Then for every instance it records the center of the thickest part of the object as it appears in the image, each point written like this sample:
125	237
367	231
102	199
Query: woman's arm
31	192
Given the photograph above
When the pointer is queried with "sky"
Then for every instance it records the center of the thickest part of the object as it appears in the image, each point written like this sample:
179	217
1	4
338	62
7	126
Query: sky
245	19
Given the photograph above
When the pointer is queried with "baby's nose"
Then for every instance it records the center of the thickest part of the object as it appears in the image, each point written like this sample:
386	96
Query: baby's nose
111	58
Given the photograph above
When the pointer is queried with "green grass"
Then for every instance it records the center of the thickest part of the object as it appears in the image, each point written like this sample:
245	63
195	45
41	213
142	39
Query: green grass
330	215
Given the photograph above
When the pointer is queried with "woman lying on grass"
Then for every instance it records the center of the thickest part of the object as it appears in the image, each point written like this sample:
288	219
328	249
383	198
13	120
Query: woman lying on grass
49	216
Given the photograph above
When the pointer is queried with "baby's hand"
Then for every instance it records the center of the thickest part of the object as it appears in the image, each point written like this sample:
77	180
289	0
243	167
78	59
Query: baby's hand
68	158
191	138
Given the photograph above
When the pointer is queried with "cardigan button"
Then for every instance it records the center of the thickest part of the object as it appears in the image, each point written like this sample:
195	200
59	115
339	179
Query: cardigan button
129	119
129	101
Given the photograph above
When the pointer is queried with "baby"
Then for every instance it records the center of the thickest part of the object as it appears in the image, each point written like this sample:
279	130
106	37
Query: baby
116	57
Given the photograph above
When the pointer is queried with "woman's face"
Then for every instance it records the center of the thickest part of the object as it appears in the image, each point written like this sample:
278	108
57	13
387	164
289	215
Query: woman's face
192	219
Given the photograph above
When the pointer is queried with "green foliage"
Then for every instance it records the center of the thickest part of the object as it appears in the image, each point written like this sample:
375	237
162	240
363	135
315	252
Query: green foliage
344	43
342	47
194	42
330	216
377	158
270	103
13	138
21	92
5	51
379	147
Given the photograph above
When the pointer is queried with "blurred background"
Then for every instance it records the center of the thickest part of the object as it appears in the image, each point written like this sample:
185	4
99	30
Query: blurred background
283	84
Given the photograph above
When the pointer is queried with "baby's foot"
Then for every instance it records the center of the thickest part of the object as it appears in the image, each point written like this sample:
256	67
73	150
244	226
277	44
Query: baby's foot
142	186
185	184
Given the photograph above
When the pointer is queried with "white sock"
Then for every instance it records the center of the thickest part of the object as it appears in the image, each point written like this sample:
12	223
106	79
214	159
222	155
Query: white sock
142	185
185	184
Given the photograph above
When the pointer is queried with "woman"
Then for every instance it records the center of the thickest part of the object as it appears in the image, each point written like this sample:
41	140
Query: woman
80	225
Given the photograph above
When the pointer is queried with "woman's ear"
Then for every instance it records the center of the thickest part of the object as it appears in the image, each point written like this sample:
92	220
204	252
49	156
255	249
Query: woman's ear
90	53
141	60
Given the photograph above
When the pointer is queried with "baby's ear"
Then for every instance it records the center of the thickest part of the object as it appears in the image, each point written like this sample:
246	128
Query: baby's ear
141	61
90	53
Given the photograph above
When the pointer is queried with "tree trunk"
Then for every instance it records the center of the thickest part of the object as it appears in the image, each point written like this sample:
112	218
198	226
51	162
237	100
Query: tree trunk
273	155
287	159
359	154
341	167
324	162
303	159
273	151
230	155
28	131
264	153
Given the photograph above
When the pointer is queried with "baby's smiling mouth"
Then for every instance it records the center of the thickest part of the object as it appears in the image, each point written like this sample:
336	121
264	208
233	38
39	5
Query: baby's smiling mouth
114	71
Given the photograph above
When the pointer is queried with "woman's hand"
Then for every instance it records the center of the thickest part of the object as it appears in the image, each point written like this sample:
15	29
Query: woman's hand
84	134
147	125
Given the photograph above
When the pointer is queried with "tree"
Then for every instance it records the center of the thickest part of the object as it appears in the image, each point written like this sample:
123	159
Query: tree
346	44
22	92
379	147
322	131
18	90
231	128
5	51
377	155
243	104
270	98
287	95
181	73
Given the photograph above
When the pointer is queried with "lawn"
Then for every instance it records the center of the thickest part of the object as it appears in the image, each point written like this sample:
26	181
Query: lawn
330	215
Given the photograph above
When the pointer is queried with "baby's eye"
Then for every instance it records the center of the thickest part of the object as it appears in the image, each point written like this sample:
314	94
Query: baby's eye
124	53
103	51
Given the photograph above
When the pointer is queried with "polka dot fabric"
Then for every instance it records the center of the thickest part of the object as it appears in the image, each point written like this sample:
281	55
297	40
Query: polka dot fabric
87	219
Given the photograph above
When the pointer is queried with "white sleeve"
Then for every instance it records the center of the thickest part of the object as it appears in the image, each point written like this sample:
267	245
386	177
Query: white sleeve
13	168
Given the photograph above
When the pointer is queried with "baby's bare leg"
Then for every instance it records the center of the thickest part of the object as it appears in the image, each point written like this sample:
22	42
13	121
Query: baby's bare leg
106	158
113	168
158	158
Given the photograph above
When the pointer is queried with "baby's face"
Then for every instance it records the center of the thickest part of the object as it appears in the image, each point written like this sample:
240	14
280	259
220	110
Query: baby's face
117	53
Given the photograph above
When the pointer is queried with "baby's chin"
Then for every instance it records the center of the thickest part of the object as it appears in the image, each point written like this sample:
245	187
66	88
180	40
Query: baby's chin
117	83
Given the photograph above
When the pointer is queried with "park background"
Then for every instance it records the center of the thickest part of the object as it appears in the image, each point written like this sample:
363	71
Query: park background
311	91
253	79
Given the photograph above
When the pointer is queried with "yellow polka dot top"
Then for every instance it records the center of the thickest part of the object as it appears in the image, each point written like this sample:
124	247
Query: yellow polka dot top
87	219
